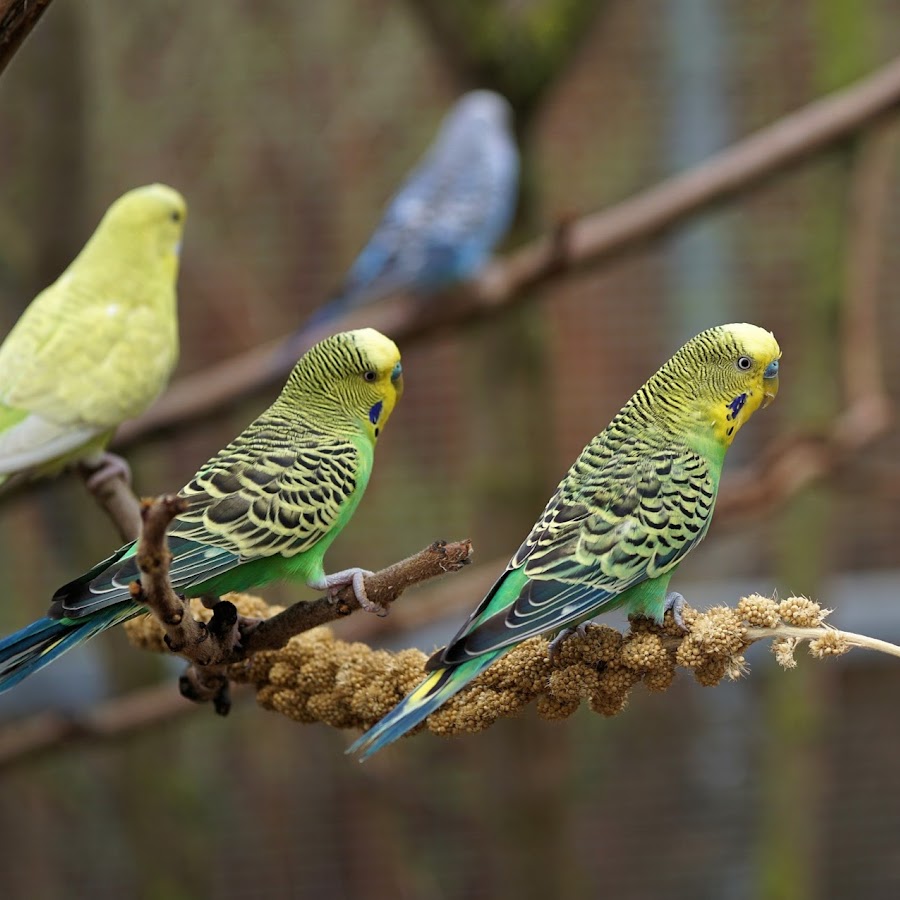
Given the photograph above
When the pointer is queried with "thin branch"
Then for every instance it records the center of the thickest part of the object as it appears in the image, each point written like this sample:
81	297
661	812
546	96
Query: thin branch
17	18
590	240
814	634
227	638
117	500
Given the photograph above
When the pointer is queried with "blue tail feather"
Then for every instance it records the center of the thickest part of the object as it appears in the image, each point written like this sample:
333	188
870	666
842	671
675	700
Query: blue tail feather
38	644
433	692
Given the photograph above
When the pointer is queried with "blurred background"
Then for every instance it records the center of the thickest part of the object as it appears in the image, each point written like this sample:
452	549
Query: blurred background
287	126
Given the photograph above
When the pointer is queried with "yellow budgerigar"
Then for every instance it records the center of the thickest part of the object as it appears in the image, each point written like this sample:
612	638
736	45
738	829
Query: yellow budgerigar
98	345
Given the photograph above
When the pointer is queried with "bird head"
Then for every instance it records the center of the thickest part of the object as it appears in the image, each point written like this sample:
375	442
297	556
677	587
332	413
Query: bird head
479	112
723	376
148	219
357	372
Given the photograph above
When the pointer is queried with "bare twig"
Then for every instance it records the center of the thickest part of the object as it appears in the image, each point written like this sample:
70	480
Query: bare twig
594	238
118	501
228	638
17	18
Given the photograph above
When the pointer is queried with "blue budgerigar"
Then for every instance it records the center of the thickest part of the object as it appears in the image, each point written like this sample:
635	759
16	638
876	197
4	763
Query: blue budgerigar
450	213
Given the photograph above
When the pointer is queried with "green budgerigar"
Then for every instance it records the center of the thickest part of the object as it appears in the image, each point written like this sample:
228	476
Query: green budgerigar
98	345
635	502
264	508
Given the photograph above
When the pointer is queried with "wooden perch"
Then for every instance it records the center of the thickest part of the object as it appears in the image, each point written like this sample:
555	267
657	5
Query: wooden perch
227	638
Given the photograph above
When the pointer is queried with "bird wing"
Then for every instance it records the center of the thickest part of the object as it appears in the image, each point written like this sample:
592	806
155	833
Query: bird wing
607	528
257	498
73	360
280	500
457	202
28	440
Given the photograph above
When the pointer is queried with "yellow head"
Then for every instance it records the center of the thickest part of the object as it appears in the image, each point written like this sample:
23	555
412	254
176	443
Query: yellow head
718	379
144	227
356	372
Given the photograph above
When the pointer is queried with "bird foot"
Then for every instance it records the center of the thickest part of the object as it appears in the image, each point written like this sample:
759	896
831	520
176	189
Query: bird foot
354	577
106	466
675	602
553	650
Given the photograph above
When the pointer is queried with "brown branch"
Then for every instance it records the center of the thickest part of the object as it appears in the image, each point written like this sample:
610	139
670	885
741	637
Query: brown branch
117	500
17	18
593	239
226	638
382	588
317	678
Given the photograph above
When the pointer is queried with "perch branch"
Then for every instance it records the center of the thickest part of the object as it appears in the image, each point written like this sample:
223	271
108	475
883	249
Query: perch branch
591	239
225	638
317	678
115	497
348	685
17	18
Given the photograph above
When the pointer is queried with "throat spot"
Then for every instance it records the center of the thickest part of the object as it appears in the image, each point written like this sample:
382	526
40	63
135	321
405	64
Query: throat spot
735	407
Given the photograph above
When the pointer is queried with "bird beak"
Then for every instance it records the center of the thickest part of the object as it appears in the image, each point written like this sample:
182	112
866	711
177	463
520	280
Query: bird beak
770	392
397	380
770	383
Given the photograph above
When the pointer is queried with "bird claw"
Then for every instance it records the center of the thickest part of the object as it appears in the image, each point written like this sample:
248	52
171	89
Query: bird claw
555	646
675	602
108	465
356	579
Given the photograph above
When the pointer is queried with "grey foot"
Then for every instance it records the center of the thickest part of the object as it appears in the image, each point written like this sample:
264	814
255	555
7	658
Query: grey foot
675	602
107	466
556	644
354	577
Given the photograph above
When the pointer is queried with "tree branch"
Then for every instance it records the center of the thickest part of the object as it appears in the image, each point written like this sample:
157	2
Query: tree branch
226	638
589	240
17	18
317	678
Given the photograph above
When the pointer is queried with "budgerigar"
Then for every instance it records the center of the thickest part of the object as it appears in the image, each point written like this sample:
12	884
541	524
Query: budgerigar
98	345
635	502
449	214
266	507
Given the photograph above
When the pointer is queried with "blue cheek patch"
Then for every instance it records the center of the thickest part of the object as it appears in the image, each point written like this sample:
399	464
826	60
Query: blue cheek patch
736	406
375	412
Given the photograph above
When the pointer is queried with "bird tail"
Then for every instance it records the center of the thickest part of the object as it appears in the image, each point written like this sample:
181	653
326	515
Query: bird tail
434	691
41	642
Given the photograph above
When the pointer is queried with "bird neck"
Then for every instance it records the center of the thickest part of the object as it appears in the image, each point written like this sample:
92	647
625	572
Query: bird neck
325	413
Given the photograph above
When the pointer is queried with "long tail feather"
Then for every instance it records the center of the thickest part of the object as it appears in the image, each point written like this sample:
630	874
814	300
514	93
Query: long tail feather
434	691
38	644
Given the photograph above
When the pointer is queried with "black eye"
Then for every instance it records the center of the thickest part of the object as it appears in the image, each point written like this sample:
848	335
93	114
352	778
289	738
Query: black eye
370	375
744	363
175	216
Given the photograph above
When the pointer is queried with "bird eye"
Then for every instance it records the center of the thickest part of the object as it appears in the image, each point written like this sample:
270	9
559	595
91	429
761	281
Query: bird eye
370	375
744	363
175	215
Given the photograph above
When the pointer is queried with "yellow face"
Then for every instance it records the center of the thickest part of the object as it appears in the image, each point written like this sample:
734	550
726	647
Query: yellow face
152	216
743	379
378	383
